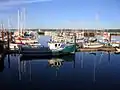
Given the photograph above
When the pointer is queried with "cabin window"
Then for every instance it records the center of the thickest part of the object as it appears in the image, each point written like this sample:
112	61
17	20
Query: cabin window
62	46
55	45
55	63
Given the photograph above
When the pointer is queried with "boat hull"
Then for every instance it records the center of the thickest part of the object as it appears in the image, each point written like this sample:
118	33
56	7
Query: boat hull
43	52
67	49
92	46
28	50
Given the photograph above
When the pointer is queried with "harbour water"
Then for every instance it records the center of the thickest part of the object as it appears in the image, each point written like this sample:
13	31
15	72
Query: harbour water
85	71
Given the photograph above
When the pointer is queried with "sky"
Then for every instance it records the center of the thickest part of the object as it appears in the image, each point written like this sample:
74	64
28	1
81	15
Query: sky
77	14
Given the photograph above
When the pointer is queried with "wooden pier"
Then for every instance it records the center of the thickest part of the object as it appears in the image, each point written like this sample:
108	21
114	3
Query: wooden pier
108	49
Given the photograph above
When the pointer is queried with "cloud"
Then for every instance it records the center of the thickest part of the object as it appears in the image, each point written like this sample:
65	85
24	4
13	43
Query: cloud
97	17
6	4
18	2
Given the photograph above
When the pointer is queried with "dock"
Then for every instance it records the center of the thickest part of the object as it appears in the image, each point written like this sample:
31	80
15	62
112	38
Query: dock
107	49
41	54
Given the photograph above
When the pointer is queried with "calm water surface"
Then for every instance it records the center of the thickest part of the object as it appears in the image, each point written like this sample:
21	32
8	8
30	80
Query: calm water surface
85	71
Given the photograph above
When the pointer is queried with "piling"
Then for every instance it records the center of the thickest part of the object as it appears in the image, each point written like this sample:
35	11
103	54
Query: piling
11	37
3	34
75	41
8	41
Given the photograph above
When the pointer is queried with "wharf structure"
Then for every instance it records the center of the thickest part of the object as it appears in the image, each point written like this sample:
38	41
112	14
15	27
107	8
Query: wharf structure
62	35
59	35
81	33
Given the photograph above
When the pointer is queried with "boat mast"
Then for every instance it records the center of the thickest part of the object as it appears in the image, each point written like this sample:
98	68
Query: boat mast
8	33
1	25
2	31
8	24
24	18
19	22
97	19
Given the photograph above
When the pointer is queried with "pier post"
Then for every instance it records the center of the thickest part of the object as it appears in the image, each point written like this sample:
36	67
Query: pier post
110	38
8	40
75	41
2	35
11	37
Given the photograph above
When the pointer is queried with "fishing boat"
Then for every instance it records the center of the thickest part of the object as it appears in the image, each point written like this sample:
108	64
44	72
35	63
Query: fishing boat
92	39
115	45
13	46
62	48
22	41
92	45
35	50
54	50
25	40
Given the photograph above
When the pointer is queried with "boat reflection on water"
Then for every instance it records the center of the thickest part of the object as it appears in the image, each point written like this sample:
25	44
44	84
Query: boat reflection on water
33	57
95	61
2	63
56	63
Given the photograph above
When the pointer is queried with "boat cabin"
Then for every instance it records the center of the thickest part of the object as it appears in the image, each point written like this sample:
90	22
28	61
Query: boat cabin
56	45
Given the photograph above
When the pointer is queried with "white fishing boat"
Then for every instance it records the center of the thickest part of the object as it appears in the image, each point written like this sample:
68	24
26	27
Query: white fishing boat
115	45
62	48
92	45
13	46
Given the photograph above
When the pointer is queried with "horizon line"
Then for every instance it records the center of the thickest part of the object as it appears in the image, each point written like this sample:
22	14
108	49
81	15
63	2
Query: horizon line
67	28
